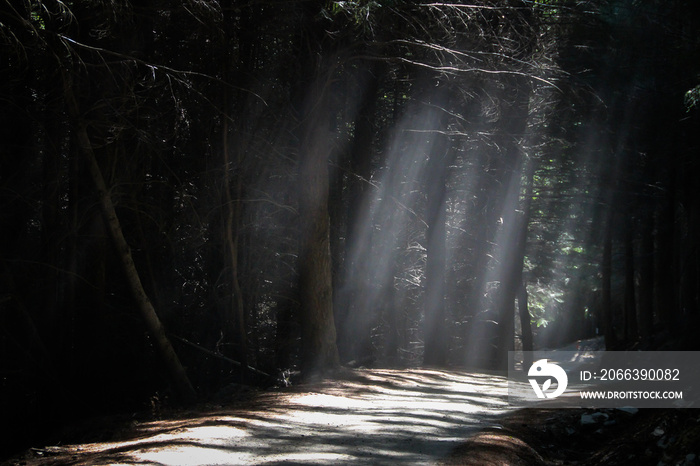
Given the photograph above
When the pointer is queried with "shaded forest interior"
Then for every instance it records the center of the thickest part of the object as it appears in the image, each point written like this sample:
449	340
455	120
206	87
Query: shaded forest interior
200	193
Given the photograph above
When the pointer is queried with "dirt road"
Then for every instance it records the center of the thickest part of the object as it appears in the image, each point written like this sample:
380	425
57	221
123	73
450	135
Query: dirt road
372	417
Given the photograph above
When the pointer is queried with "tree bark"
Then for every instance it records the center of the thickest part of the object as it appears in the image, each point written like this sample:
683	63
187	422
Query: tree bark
319	350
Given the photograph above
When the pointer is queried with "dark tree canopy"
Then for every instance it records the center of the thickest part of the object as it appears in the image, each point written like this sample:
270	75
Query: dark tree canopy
200	193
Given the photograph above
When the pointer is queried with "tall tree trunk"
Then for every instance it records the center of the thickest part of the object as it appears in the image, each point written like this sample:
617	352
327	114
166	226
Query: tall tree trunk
500	226
155	327
319	350
235	316
521	293
514	111
512	256
436	334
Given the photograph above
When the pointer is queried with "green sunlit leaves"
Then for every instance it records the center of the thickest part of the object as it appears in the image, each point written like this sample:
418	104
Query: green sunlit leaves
38	20
359	13
692	98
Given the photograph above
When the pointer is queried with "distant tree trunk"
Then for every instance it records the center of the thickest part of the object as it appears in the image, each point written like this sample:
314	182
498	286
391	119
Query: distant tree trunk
392	313
606	273
511	238
34	344
486	225
353	320
525	318
437	335
51	207
689	273
523	309
155	327
284	343
75	211
666	302
235	314
646	278
512	261
630	326
338	223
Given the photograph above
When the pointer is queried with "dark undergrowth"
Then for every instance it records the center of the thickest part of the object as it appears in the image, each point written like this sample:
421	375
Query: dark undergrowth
654	437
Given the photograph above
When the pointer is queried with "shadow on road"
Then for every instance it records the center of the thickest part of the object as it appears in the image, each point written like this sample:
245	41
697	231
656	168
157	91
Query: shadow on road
372	416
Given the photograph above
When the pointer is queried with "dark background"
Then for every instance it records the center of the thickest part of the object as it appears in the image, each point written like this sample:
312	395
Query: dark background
307	184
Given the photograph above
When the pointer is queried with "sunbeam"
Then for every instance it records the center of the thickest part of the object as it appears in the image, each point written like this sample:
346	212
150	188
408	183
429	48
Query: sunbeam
205	203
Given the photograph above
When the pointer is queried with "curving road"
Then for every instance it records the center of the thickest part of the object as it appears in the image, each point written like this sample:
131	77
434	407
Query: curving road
374	417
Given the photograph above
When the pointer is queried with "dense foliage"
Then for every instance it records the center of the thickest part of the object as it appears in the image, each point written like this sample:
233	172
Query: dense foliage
304	184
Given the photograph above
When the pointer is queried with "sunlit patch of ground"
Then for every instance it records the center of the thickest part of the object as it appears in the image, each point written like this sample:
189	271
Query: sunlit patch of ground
371	416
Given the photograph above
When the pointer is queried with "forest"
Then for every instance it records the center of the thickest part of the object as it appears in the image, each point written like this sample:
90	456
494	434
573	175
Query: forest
201	193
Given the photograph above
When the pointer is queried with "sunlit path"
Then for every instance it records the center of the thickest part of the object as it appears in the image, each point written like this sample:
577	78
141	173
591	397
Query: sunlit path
377	417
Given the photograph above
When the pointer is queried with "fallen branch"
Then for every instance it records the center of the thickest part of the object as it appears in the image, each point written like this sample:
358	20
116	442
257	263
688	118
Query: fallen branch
218	355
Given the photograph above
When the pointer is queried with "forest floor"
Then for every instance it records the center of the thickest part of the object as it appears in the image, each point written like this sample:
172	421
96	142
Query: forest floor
653	437
375	416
